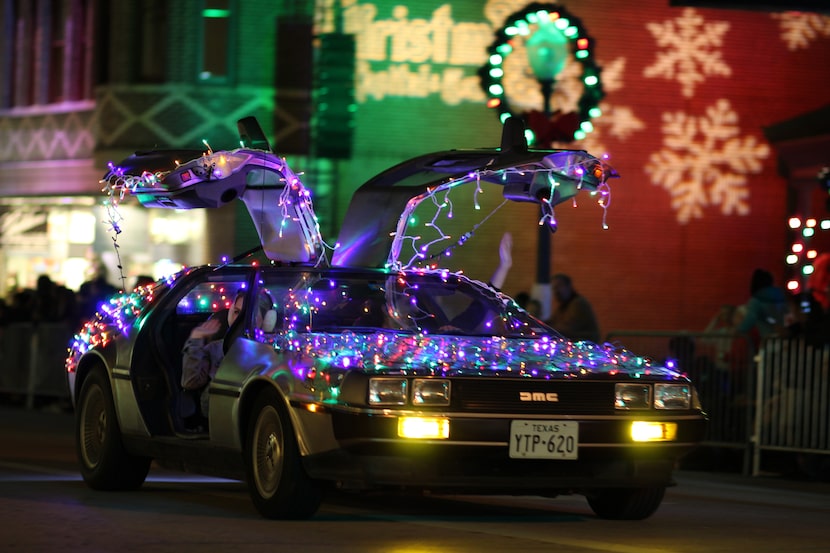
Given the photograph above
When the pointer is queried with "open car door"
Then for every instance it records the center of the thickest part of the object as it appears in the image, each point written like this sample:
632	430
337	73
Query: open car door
373	229
278	203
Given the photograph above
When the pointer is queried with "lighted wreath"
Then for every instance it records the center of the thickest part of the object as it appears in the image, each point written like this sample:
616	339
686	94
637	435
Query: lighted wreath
560	35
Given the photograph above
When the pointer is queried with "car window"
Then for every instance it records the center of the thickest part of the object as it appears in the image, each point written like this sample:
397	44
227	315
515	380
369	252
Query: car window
212	296
334	302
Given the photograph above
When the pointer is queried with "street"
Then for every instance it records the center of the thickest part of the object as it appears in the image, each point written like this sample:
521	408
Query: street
45	506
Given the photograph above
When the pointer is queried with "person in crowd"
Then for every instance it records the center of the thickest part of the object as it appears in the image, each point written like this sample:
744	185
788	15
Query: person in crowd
529	304
204	349
766	308
143	280
53	302
573	314
818	284
809	316
93	292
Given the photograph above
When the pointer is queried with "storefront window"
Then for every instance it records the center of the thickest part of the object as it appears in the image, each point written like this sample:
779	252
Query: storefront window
68	240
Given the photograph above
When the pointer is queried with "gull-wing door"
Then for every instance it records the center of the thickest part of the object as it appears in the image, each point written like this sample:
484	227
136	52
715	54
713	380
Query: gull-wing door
278	203
374	226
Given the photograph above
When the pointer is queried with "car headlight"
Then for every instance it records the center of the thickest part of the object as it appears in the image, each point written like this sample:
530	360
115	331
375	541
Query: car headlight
632	396
672	396
387	391
430	391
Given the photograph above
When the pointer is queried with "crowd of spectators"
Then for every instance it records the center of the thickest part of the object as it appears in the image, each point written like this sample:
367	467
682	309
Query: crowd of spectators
51	302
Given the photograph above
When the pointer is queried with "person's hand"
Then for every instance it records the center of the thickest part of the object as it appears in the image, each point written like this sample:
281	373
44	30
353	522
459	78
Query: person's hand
206	329
506	250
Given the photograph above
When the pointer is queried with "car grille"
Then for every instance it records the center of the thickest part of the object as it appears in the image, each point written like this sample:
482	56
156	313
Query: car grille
503	396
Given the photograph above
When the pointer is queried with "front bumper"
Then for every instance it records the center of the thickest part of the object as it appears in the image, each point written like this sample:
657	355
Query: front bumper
475	459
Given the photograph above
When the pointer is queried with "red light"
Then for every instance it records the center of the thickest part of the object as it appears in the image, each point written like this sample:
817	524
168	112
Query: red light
493	102
582	43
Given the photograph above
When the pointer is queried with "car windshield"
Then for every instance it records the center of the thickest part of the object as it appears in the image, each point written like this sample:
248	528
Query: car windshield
415	302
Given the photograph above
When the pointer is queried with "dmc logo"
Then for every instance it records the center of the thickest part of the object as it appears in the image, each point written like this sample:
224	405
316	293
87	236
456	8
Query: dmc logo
538	396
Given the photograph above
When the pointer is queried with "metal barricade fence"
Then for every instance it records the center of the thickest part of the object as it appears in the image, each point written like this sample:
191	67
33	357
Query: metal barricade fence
32	360
793	390
775	400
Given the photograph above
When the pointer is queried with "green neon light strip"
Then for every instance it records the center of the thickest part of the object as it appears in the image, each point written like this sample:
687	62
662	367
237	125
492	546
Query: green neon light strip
214	13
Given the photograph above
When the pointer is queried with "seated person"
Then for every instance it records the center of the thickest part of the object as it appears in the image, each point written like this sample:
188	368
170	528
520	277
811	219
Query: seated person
203	351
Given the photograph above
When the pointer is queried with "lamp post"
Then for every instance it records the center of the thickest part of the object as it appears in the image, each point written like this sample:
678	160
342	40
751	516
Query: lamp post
547	52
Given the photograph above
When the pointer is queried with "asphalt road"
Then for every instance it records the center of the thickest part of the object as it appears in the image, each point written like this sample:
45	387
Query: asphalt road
44	506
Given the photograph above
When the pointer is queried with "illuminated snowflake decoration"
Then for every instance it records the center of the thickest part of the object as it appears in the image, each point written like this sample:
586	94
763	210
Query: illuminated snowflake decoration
799	29
705	161
691	50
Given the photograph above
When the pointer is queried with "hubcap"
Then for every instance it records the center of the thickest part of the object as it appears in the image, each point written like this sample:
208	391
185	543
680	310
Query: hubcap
93	427
267	448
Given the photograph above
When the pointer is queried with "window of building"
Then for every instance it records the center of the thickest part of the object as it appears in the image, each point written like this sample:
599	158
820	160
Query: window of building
216	41
57	50
153	47
23	75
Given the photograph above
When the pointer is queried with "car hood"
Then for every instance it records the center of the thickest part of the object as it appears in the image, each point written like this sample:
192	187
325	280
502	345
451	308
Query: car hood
388	353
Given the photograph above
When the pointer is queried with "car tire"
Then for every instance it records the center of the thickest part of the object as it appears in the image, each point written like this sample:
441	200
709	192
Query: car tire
105	464
626	503
278	484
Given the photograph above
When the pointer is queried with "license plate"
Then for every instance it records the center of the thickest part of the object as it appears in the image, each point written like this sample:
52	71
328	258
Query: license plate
544	440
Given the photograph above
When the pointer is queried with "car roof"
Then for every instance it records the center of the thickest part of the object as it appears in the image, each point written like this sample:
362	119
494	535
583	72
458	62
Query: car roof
373	228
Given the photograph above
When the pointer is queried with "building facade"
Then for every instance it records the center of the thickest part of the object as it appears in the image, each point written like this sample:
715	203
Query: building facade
689	92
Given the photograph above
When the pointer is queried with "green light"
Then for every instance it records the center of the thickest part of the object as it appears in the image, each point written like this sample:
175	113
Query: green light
586	126
594	112
808	232
532	18
497	72
807	270
792	259
562	23
591	80
511	31
412	221
571	32
530	137
504	49
579	135
581	54
496	59
825	224
504	117
214	13
496	90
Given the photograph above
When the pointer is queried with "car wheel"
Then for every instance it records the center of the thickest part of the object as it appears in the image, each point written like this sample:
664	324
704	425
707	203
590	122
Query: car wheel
626	503
279	486
105	464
